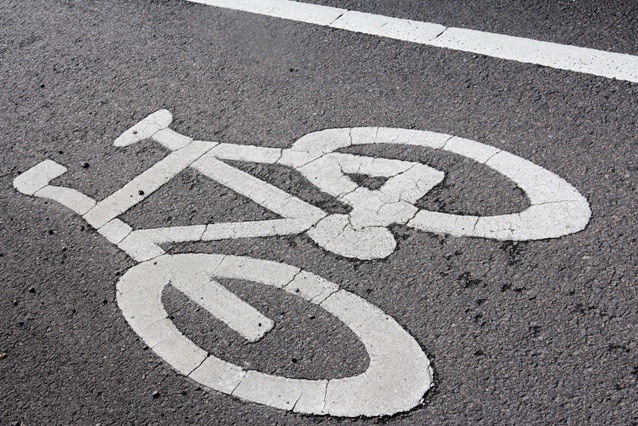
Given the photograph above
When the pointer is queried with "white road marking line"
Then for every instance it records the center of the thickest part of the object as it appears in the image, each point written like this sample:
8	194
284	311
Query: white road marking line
115	231
68	197
248	153
262	193
38	176
145	129
262	228
171	139
559	56
138	248
146	183
223	304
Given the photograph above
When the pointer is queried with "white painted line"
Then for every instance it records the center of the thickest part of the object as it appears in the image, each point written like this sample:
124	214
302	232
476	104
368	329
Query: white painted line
444	223
139	248
145	129
219	375
385	26
256	270
263	228
223	304
281	392
115	231
541	186
559	56
262	193
174	234
295	11
38	176
311	287
249	153
399	373
145	184
325	173
68	197
171	139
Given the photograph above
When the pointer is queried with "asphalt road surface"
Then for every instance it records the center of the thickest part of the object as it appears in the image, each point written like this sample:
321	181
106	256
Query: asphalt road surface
528	328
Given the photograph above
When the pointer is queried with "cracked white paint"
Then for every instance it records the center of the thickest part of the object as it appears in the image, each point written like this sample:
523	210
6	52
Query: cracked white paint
398	374
385	26
115	231
559	56
361	234
335	233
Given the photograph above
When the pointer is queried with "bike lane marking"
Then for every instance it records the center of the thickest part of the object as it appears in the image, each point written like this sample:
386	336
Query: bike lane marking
398	373
584	60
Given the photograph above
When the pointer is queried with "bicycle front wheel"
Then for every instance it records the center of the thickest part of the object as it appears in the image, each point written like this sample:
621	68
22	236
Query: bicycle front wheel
397	377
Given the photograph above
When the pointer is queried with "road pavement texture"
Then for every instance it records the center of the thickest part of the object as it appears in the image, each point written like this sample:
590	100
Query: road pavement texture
516	332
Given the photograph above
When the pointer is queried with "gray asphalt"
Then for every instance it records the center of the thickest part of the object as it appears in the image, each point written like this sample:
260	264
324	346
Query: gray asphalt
541	332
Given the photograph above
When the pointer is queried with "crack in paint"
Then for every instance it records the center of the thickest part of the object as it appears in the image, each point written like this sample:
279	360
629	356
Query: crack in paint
244	373
325	396
439	34
446	141
337	18
492	156
208	355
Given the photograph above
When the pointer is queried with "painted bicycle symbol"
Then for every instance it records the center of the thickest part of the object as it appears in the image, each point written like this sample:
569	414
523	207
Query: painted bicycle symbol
399	373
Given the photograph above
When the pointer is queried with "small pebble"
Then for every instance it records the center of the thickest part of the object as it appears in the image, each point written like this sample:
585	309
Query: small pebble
156	394
31	290
85	165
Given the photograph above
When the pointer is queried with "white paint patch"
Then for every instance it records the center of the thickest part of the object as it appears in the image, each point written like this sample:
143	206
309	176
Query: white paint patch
559	56
396	379
398	374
